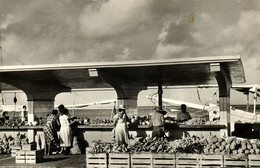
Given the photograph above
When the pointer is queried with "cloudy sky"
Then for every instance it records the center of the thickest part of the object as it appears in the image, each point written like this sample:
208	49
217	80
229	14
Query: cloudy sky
66	31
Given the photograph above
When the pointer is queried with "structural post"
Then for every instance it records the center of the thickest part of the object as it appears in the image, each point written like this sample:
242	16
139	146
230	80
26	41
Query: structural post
224	85
160	93
40	109
129	98
127	89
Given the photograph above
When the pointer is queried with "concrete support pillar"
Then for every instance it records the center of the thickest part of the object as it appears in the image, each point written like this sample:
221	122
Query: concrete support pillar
129	99
224	85
40	108
224	107
127	89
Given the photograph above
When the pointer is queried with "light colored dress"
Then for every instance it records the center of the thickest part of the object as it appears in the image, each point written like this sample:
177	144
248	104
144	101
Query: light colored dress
121	131
65	131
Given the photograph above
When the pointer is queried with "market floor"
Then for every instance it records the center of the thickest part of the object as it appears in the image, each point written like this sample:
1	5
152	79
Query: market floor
54	161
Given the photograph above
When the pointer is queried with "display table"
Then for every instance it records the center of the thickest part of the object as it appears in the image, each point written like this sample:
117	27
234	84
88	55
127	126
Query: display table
89	133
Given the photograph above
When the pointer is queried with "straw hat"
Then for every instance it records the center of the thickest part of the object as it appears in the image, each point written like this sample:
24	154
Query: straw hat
122	107
159	109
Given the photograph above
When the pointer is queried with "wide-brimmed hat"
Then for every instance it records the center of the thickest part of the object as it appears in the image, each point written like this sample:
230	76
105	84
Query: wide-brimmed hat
122	107
158	109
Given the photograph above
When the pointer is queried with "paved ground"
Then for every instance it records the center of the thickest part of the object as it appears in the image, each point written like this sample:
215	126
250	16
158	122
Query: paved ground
64	161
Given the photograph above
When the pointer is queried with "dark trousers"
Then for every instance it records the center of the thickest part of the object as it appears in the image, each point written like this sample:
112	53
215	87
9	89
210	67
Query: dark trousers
158	132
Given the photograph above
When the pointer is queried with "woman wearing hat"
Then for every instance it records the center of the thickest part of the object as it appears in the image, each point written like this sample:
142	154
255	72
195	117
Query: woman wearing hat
121	126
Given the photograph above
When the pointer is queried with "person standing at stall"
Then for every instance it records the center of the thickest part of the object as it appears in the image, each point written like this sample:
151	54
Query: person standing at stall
23	114
157	122
183	115
121	122
65	131
50	132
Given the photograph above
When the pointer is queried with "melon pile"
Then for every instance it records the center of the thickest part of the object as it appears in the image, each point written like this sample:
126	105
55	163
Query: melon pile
231	145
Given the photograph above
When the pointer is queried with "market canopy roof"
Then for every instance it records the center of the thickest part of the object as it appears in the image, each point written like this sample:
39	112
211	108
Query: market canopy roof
171	72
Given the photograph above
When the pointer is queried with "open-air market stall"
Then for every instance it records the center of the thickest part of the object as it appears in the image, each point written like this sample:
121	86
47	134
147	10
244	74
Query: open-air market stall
41	83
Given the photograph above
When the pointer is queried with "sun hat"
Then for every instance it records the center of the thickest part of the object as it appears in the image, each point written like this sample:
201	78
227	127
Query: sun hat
121	107
159	109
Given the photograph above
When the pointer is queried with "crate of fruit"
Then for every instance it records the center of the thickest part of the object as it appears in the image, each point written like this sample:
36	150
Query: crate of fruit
141	160
211	161
119	160
235	161
187	160
164	160
34	156
20	157
96	160
254	160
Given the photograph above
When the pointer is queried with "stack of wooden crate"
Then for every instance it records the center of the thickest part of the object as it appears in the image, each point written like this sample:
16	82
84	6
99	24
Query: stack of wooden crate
29	154
178	160
14	149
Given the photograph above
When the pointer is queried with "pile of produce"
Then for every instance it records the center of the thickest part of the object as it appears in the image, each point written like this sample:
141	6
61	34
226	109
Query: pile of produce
231	145
7	142
151	145
139	120
194	121
170	120
108	147
15	123
101	122
187	145
190	144
154	145
199	121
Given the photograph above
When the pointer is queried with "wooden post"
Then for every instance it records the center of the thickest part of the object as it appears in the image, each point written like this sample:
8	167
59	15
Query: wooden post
160	92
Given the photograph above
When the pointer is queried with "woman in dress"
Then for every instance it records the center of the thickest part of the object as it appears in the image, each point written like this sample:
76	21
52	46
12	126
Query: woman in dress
65	131
50	132
121	122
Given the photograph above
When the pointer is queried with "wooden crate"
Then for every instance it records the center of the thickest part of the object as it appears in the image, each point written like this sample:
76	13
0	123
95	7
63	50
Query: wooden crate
141	160
187	160
164	160
28	147
215	161
20	157
235	161
14	149
34	156
119	160
253	160
96	160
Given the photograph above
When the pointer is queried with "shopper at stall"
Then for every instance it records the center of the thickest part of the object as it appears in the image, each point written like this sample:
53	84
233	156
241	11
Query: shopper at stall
50	132
157	122
121	122
183	115
23	114
65	131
